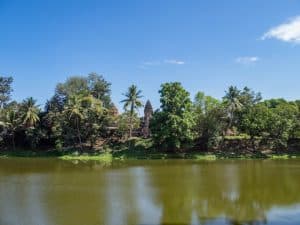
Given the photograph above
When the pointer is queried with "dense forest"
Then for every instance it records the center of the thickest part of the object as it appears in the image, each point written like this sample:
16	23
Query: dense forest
81	115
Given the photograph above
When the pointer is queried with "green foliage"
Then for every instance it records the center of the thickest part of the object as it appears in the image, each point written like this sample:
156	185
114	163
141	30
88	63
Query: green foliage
104	157
29	112
93	84
237	103
131	104
272	119
283	123
10	123
256	121
125	122
84	119
209	116
172	126
81	114
5	90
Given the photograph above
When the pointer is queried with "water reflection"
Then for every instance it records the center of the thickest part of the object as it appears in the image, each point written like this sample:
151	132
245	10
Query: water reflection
50	192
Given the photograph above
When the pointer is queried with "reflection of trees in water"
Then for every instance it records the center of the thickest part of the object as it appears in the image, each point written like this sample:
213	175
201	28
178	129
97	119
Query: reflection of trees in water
234	222
51	192
179	192
242	191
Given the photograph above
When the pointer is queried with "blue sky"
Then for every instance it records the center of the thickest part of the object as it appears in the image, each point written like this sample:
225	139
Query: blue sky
206	45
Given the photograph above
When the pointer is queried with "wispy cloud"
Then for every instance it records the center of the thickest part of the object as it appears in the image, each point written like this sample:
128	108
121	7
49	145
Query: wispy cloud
246	60
151	63
147	64
287	32
174	61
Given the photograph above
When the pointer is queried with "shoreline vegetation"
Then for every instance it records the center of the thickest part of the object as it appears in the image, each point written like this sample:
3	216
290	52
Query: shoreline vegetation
80	122
110	157
137	152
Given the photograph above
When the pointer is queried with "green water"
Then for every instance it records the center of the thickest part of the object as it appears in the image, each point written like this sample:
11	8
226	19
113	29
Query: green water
56	192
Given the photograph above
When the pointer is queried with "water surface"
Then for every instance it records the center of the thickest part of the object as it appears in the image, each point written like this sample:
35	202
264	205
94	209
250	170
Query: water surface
55	192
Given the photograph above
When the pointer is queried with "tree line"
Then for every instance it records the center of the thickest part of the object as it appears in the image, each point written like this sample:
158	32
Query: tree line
81	115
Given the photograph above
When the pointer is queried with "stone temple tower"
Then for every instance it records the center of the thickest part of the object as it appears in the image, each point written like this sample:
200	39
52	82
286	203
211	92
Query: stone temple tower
148	112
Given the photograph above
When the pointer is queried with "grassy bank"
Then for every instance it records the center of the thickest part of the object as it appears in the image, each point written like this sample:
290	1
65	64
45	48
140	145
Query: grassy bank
142	149
142	155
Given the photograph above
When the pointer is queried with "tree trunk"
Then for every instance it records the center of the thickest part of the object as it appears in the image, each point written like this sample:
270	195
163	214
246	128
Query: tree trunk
13	141
253	144
130	120
79	134
130	127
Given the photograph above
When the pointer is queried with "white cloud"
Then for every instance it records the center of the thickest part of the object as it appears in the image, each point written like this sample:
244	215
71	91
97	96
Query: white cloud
147	64
287	32
247	60
151	63
174	61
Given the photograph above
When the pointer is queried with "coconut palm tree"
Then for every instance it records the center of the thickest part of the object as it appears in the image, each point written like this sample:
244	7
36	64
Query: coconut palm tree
29	112
233	104
131	103
10	122
75	113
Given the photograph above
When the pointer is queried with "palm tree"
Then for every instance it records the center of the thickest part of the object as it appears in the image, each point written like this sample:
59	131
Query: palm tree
232	100
30	112
11	123
75	113
132	101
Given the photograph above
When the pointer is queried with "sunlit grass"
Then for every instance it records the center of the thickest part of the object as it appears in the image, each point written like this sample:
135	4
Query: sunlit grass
285	156
208	157
105	157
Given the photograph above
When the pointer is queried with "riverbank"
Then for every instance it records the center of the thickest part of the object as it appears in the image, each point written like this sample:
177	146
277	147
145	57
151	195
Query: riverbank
110	156
142	149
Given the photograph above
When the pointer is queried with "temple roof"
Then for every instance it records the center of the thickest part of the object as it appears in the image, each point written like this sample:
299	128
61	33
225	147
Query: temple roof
148	107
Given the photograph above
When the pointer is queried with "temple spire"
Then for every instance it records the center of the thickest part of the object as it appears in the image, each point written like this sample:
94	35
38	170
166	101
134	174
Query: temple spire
148	112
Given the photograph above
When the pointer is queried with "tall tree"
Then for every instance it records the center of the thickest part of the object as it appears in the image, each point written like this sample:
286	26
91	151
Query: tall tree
10	122
100	89
131	103
209	116
29	112
5	90
96	119
75	114
172	126
233	104
93	84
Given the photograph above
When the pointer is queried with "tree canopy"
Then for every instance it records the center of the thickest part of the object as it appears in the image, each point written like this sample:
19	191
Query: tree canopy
81	115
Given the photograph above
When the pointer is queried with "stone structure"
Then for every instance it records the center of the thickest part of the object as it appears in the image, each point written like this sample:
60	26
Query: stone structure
148	112
114	110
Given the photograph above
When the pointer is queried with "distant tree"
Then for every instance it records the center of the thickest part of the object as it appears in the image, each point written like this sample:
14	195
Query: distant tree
131	103
172	126
273	103
74	113
126	122
55	104
249	98
5	90
256	122
10	122
100	89
277	122
237	102
283	123
233	104
96	119
74	85
86	116
29	112
209	117
93	84
204	103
